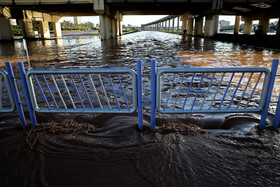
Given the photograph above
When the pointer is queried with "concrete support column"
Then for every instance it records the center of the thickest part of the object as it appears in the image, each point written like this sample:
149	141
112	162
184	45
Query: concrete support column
237	24
5	31
263	26
184	19
120	27
169	25
57	29
114	27
198	26
119	18
105	27
211	25
44	28
248	26
190	27
27	28
173	24
278	28
178	23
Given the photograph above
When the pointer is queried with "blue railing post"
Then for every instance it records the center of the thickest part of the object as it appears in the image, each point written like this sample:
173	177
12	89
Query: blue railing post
15	94
153	94
26	93
139	94
277	115
269	93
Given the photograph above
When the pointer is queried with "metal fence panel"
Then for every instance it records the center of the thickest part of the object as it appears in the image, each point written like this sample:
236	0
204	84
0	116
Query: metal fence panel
204	90
83	90
6	98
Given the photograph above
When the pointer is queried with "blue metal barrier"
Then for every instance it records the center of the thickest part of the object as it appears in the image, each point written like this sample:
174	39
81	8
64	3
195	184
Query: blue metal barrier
6	97
15	93
270	90
140	94
83	90
26	93
209	90
173	91
153	94
277	115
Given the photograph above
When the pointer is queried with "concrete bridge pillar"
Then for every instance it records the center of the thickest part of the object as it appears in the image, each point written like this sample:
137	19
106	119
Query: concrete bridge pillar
173	24
198	26
169	25
178	22
57	29
184	19
5	31
119	27
114	27
237	24
278	28
263	26
190	27
27	28
44	28
119	18
248	26
105	27
211	25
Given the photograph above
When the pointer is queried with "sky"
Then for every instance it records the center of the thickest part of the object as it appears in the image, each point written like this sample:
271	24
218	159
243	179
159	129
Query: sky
133	20
138	20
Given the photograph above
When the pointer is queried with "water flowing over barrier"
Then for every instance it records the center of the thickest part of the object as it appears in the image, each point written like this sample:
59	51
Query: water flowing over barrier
173	91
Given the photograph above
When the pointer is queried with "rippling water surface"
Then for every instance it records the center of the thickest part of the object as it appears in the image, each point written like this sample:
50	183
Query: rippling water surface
95	150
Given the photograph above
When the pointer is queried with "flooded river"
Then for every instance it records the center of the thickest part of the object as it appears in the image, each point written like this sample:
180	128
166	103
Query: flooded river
108	150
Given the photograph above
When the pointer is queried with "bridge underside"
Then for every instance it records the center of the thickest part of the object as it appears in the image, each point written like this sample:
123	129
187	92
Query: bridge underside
156	8
195	8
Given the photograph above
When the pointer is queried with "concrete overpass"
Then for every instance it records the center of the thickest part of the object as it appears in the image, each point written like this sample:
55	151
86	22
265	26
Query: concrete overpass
112	11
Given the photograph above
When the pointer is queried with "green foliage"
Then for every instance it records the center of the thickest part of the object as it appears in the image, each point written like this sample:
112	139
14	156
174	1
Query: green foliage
16	30
126	31
66	25
173	32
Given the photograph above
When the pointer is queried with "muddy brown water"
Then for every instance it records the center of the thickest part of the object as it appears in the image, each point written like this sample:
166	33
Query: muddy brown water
109	150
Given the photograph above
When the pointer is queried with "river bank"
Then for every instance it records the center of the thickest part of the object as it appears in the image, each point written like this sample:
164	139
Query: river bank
264	41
